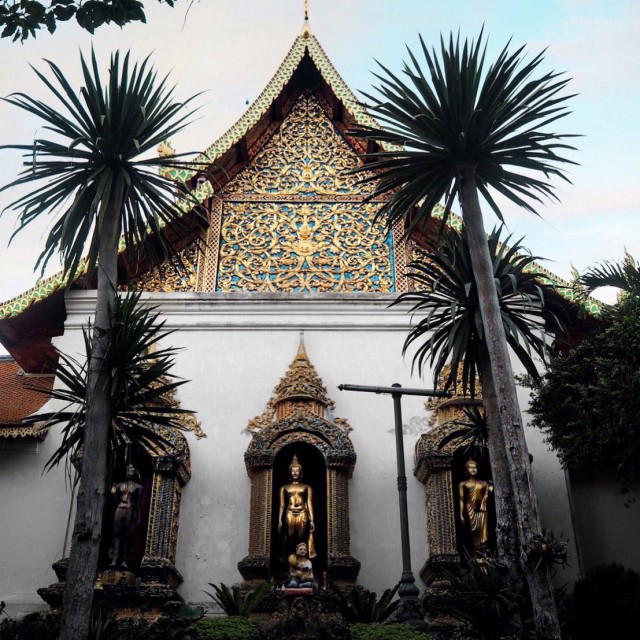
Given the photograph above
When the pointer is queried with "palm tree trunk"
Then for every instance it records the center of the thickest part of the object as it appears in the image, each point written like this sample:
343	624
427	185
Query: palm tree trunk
87	531
506	516
538	577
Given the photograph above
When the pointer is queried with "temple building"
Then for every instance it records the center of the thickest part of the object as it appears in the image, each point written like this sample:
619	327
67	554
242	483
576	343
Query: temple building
289	299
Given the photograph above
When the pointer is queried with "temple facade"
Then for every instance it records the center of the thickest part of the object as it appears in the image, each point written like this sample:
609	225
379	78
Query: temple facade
292	246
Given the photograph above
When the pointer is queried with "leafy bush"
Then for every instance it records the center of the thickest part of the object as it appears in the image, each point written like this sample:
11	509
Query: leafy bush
386	632
605	604
236	603
35	626
481	597
230	628
588	401
173	625
362	605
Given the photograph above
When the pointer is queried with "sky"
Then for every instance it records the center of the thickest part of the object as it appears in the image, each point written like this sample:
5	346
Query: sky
230	49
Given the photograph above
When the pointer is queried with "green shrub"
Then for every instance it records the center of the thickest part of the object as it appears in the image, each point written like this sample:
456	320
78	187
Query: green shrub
605	604
362	605
227	628
481	598
236	603
386	632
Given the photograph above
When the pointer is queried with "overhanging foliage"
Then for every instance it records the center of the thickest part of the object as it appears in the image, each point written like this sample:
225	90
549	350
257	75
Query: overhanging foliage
588	403
21	19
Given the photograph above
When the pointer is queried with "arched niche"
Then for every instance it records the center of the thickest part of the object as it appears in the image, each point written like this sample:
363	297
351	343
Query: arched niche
163	463
295	421
314	466
440	456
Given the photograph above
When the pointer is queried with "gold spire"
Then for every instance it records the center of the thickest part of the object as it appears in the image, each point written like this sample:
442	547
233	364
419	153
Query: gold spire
301	383
306	28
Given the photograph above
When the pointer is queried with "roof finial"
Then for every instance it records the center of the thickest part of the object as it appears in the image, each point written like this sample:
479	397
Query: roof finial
306	29
302	352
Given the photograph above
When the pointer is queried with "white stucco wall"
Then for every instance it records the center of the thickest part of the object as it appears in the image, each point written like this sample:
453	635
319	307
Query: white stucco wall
236	347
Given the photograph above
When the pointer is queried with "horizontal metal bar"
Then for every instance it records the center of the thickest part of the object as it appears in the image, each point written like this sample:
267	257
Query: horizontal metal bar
395	390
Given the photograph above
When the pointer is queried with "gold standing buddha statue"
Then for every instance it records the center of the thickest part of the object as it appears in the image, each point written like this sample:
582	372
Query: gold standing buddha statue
473	495
296	511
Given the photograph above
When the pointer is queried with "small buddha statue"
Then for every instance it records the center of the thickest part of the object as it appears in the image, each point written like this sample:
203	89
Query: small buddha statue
473	495
300	569
126	517
295	515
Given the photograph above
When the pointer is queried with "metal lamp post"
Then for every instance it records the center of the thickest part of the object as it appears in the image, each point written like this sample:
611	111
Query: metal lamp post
410	608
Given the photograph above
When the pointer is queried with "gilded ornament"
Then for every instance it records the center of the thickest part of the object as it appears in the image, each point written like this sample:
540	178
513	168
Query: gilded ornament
295	218
171	276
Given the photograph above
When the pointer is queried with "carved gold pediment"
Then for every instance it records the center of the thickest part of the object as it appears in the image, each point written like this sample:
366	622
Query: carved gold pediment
306	157
170	276
295	218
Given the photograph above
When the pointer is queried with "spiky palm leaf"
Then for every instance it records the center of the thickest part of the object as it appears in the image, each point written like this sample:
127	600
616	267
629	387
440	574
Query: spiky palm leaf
481	596
471	433
462	129
235	602
97	175
462	113
141	380
361	605
625	276
100	159
450	328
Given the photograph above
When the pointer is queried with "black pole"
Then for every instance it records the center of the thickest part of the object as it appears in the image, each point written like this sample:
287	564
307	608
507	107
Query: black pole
410	607
407	582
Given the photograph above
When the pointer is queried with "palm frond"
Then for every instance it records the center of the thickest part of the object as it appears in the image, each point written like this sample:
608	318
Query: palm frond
624	276
445	303
98	155
449	111
235	602
140	382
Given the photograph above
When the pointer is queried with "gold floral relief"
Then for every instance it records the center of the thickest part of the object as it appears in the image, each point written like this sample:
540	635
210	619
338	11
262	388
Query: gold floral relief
274	246
170	276
306	157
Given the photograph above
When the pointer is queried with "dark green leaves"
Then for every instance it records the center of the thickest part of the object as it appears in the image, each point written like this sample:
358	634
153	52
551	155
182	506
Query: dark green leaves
446	305
588	402
21	19
361	605
235	602
456	111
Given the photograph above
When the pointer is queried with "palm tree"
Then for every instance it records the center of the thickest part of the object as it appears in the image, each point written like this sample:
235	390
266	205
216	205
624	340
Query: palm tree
140	392
450	330
96	175
463	130
625	276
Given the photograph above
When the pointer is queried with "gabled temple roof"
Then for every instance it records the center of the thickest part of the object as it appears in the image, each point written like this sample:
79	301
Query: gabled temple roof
30	320
304	45
229	153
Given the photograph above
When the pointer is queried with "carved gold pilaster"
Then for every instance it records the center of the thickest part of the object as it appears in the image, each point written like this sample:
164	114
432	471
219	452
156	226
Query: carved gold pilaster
210	261
259	521
338	512
441	525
